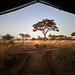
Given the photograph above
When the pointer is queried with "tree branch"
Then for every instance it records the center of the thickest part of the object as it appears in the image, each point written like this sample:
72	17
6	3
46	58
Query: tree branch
43	31
47	30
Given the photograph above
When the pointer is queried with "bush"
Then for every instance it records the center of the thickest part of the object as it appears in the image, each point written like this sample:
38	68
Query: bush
33	39
44	45
65	54
11	42
9	58
14	47
36	45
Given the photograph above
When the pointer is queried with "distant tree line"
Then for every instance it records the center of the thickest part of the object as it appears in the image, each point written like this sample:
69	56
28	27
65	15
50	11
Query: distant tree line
7	37
59	37
50	37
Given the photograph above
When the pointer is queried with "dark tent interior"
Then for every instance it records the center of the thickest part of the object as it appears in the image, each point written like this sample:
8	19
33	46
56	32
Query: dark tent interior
12	5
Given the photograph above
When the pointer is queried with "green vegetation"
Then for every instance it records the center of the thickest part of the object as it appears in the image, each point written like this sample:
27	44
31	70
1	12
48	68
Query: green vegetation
44	45
65	54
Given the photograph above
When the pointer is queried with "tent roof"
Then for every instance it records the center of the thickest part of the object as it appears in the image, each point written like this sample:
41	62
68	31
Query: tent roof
12	5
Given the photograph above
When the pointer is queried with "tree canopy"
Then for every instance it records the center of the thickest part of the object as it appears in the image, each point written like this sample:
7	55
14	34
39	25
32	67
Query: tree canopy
7	37
26	36
22	35
73	34
45	26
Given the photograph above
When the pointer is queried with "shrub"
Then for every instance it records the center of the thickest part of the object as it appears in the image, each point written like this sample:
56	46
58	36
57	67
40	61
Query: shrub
36	45
65	54
44	45
9	58
11	42
15	47
33	39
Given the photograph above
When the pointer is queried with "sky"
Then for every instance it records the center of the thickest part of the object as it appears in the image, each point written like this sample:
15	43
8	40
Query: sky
22	20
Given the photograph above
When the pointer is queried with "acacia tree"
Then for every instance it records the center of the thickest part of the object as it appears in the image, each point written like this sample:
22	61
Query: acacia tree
26	36
60	37
45	26
73	34
7	37
52	37
22	35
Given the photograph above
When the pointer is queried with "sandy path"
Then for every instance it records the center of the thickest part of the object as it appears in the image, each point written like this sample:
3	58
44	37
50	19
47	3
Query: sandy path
36	64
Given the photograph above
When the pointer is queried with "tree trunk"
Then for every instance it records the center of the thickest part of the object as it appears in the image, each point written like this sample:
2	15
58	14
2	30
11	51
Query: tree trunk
22	40
44	36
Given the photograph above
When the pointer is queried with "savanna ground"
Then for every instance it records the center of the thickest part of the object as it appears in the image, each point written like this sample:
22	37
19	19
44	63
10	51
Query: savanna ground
32	57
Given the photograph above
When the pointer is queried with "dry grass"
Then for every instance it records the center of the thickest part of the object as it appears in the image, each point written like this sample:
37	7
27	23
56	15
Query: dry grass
3	48
51	42
31	43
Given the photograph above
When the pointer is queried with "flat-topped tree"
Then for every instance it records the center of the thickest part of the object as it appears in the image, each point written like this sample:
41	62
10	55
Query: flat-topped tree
7	37
54	37
45	26
73	34
27	36
22	35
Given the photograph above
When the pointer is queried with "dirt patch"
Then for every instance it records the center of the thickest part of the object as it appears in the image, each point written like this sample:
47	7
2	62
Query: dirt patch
36	63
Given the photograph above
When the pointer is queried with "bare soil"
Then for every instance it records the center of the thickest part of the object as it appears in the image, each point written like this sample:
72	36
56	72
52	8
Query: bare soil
36	63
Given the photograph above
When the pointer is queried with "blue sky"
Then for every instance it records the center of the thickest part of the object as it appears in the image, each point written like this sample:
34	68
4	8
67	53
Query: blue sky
21	21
